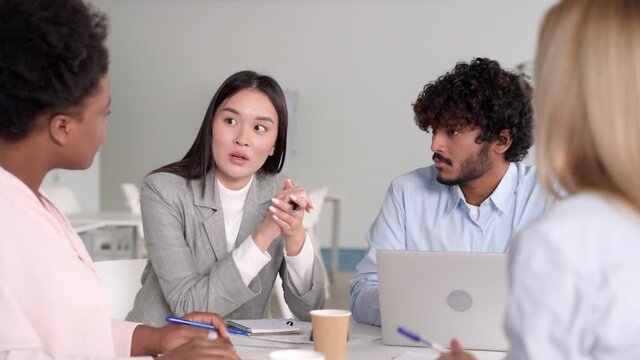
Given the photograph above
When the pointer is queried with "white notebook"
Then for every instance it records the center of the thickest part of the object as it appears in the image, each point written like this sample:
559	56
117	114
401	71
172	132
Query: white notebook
265	326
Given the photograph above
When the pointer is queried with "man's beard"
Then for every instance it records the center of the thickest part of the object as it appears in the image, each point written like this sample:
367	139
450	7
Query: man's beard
472	168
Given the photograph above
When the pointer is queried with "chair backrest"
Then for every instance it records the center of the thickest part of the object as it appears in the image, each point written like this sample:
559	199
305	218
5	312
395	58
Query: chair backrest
121	279
132	194
63	197
317	197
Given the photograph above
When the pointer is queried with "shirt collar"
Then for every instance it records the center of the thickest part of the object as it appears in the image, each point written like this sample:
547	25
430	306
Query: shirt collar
260	190
501	196
455	196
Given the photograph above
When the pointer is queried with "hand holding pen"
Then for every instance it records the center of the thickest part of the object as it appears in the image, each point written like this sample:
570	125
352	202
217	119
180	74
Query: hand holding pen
173	335
184	342
287	210
294	198
284	218
214	329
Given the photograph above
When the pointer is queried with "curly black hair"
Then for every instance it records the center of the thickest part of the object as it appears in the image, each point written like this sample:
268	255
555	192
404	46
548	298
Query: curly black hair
52	57
480	95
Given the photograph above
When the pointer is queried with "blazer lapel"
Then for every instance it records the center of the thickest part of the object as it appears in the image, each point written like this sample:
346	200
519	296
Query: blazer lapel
256	206
214	223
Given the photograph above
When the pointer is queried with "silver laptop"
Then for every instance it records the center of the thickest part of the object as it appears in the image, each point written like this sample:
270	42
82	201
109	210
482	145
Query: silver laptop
442	295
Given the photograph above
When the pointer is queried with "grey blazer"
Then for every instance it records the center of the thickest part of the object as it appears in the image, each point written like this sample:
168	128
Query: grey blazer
190	267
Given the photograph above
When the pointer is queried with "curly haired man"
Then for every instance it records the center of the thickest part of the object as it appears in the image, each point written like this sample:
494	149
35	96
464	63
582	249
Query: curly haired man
477	193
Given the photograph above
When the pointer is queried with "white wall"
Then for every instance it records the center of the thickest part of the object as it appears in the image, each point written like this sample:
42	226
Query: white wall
356	65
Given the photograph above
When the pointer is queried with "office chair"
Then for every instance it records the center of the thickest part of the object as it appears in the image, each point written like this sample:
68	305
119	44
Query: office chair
121	279
132	195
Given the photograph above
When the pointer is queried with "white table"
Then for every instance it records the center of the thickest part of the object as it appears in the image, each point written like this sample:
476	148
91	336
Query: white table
365	343
106	218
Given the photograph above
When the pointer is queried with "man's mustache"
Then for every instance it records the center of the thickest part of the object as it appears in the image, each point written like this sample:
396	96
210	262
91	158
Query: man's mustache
439	157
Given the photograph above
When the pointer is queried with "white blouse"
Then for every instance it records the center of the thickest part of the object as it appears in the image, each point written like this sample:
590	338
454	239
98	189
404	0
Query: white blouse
232	210
575	283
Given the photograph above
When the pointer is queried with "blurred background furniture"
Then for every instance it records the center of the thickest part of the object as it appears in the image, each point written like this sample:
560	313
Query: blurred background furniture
334	264
311	223
132	196
109	235
63	197
121	279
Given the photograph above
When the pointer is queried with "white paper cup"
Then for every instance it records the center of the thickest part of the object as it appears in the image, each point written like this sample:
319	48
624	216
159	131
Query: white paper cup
294	354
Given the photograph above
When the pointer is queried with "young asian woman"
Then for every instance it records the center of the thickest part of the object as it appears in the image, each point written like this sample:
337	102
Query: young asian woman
221	223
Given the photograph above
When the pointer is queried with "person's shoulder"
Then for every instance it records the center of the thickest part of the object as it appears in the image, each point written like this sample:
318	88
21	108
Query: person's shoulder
528	183
527	174
562	217
164	179
419	175
12	210
165	184
581	221
582	232
272	182
423	178
275	178
591	210
23	222
16	201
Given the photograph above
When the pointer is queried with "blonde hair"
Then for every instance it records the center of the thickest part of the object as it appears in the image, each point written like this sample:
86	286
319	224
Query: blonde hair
587	98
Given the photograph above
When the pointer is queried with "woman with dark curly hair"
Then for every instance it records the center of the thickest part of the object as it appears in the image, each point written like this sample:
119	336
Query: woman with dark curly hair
477	193
54	103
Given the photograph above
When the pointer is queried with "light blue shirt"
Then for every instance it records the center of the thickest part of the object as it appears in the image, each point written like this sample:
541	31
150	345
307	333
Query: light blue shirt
419	213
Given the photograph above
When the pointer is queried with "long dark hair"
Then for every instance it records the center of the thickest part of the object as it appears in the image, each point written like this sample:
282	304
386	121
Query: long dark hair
199	159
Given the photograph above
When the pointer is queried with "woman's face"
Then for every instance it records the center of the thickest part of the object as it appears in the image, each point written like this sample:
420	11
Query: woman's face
245	128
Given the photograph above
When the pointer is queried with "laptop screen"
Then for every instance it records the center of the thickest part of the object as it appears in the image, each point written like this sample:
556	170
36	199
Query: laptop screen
442	295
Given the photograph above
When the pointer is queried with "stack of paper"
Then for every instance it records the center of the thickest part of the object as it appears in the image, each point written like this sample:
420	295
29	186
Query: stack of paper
265	326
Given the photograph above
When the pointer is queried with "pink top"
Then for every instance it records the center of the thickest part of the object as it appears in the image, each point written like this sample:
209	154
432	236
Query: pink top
52	302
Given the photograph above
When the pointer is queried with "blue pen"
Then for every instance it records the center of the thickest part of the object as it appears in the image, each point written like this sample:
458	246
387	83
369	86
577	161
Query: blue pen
415	337
175	320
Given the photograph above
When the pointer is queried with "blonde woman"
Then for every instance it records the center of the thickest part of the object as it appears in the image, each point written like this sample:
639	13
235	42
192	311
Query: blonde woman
575	273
